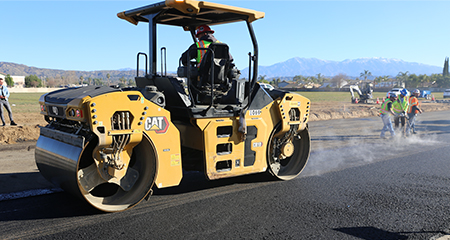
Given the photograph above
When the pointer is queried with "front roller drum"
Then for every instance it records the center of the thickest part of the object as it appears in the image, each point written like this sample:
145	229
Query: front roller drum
62	162
288	154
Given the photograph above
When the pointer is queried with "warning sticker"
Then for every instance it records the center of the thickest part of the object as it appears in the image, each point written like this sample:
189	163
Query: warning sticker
175	159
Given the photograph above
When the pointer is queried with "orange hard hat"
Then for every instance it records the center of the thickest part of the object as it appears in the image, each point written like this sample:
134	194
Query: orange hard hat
202	29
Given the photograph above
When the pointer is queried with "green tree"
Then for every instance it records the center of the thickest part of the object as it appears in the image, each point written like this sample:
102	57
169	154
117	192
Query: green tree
32	81
365	74
262	79
9	81
320	78
445	71
98	82
108	76
402	76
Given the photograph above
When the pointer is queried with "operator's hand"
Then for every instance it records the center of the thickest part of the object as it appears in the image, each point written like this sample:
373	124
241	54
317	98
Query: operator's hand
1	97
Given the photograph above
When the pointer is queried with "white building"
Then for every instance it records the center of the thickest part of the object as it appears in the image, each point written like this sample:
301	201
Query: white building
19	81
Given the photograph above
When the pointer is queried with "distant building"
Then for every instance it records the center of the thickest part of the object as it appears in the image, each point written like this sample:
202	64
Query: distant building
390	84
19	81
283	84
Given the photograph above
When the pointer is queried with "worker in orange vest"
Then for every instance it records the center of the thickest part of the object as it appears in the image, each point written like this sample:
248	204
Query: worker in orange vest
413	110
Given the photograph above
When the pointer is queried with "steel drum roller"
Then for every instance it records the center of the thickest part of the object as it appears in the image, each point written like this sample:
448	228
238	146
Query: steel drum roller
62	160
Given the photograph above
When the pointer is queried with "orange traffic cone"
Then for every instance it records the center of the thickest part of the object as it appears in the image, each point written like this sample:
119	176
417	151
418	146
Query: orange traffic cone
432	99
356	100
378	101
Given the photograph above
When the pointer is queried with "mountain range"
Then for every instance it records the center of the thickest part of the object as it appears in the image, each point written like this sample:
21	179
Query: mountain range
289	68
350	67
15	69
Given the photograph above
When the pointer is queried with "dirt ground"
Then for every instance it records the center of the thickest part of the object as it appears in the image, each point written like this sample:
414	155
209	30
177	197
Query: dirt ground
28	128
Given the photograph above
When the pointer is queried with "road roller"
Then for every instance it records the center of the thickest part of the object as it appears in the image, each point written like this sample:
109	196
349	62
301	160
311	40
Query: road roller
110	145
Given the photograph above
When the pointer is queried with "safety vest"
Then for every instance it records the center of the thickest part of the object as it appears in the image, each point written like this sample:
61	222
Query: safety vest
201	53
384	107
413	101
398	106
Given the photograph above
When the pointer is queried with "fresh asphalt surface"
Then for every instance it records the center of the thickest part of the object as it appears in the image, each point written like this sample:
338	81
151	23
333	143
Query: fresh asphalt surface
355	186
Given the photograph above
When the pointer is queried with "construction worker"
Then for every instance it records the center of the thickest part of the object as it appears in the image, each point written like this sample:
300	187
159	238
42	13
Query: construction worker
4	95
385	114
205	37
400	107
413	110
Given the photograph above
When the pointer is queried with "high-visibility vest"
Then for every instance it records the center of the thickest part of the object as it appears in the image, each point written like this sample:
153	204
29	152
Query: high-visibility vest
384	107
413	101
201	53
398	106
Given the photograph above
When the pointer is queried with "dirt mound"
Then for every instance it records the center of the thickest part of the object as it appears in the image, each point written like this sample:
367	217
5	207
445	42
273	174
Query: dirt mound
28	129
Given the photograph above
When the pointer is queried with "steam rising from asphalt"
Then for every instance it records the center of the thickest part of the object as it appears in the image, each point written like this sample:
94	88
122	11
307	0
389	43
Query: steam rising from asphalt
361	150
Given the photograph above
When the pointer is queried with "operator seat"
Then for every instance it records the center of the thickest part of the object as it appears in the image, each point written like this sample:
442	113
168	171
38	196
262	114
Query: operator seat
216	73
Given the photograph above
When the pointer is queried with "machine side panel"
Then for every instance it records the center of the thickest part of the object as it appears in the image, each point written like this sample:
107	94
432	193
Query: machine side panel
145	117
228	156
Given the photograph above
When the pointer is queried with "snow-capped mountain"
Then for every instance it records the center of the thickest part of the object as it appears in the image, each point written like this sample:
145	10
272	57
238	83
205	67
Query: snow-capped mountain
350	67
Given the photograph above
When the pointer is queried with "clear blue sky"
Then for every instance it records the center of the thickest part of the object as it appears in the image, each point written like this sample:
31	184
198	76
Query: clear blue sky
88	36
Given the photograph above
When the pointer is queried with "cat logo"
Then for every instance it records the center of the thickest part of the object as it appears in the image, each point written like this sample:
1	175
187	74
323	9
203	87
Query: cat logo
157	124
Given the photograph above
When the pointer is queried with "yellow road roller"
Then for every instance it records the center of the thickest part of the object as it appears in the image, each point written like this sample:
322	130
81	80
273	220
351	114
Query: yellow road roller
110	146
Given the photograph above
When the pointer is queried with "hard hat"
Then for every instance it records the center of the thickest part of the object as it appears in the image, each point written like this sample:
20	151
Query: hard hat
417	91
404	92
202	29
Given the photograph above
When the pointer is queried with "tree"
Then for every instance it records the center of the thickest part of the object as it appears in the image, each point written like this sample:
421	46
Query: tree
338	79
445	71
98	81
320	78
365	74
402	77
32	81
108	76
9	81
262	79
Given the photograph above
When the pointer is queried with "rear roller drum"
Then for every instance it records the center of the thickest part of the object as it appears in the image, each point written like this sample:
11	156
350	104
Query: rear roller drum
287	154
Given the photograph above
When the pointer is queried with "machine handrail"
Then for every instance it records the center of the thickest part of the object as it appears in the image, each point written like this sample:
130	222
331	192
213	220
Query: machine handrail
146	63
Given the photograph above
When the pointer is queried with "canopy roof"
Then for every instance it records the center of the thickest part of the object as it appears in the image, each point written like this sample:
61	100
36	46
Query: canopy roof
190	13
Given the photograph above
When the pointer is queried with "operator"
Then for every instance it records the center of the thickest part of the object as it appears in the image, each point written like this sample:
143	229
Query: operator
400	107
205	37
4	95
413	110
385	114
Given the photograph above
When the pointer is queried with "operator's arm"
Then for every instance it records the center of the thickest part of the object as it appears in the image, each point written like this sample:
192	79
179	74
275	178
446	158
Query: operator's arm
389	107
189	54
416	107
